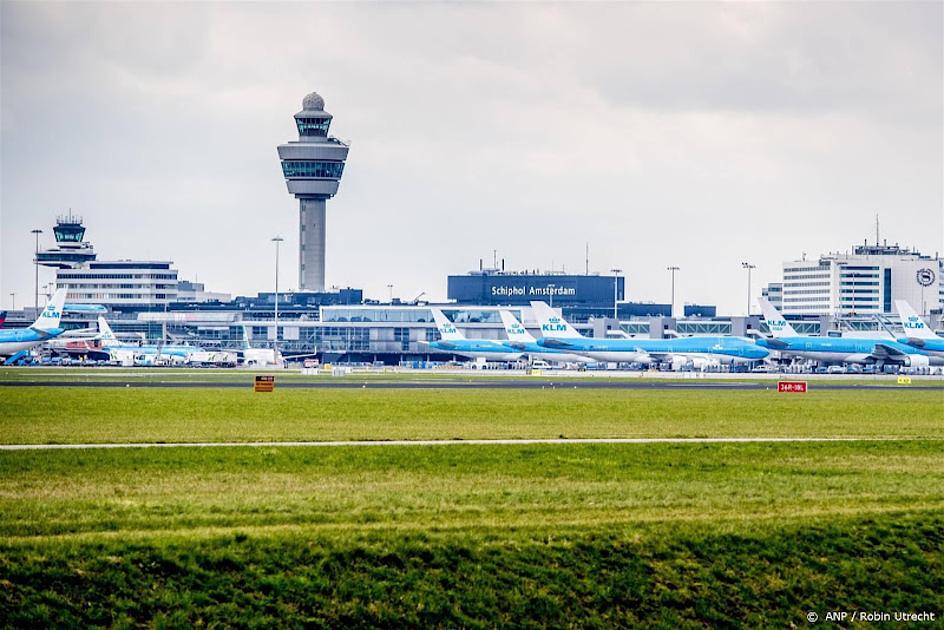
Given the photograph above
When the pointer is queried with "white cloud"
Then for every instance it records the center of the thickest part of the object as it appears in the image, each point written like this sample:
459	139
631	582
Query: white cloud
693	134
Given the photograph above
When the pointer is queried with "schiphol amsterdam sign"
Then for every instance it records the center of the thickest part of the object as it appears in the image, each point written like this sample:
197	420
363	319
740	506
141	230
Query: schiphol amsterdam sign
532	291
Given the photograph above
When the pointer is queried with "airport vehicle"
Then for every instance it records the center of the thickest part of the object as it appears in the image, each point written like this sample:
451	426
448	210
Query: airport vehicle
694	352
839	349
521	340
454	342
46	327
918	334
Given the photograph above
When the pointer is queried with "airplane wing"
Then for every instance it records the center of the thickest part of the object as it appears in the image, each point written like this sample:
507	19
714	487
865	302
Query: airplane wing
885	352
517	345
775	344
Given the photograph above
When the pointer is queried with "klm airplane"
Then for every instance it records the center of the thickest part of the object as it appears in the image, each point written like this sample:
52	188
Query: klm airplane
839	349
698	352
919	335
454	342
130	354
520	339
46	327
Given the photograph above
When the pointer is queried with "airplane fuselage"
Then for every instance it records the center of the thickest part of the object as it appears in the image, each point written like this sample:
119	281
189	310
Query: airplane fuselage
848	350
474	349
724	350
14	340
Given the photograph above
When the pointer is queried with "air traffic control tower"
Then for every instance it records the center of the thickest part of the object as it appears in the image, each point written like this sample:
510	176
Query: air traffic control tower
312	167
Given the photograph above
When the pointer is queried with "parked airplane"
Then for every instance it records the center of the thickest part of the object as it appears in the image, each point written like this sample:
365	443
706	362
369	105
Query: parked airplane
256	357
452	341
46	327
918	334
838	349
146	354
520	339
698	352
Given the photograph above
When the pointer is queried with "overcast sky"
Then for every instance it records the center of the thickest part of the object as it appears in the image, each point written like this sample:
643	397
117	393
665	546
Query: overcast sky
689	134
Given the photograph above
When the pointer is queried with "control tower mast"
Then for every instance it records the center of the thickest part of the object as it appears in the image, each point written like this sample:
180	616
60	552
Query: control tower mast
312	166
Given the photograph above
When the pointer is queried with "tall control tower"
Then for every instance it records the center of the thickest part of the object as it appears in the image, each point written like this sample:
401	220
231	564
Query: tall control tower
312	167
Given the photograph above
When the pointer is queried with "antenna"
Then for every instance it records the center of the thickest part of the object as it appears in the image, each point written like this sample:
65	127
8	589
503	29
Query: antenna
587	260
876	230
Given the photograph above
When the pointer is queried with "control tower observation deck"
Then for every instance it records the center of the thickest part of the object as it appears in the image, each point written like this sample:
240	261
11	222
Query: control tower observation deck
312	166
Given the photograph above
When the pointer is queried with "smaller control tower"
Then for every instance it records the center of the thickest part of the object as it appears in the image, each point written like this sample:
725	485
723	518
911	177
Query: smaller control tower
312	166
71	250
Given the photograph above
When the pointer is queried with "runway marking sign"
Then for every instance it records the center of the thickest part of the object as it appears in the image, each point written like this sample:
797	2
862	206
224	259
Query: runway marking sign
264	384
904	380
791	387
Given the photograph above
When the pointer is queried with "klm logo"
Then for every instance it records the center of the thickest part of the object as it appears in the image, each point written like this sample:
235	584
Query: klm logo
517	329
448	329
776	324
914	322
51	312
553	327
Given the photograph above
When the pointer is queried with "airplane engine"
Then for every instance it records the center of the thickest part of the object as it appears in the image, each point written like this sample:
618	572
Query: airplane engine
917	360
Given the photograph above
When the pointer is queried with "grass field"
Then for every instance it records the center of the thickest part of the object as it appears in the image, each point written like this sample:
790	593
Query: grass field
63	415
590	535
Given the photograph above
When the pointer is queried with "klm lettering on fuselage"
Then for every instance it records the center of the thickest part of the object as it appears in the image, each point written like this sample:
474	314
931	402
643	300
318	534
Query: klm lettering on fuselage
532	291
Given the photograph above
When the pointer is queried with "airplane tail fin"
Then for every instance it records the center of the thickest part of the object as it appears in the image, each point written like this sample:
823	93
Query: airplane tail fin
105	332
553	325
447	329
3	318
779	327
514	329
912	323
51	315
246	339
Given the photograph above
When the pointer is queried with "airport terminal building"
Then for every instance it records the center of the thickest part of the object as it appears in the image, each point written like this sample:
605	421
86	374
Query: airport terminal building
866	281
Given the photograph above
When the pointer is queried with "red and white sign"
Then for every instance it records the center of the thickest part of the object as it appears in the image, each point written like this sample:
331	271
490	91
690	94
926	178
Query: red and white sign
792	387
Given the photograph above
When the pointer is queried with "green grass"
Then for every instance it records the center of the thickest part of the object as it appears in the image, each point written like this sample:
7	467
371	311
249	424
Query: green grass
648	577
599	535
98	491
64	415
589	535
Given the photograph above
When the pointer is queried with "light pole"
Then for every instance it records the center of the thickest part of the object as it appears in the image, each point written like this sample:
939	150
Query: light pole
275	343
390	289
13	300
672	269
615	273
36	233
748	266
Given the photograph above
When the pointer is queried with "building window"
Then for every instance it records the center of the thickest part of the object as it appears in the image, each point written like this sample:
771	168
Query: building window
300	168
313	126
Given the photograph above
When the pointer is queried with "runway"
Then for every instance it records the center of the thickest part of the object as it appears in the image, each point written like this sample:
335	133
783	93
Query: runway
454	442
471	384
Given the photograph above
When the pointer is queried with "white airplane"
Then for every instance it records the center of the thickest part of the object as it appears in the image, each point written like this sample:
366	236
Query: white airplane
257	357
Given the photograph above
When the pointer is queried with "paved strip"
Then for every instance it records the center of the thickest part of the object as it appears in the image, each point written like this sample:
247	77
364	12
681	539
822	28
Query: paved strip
505	384
457	442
